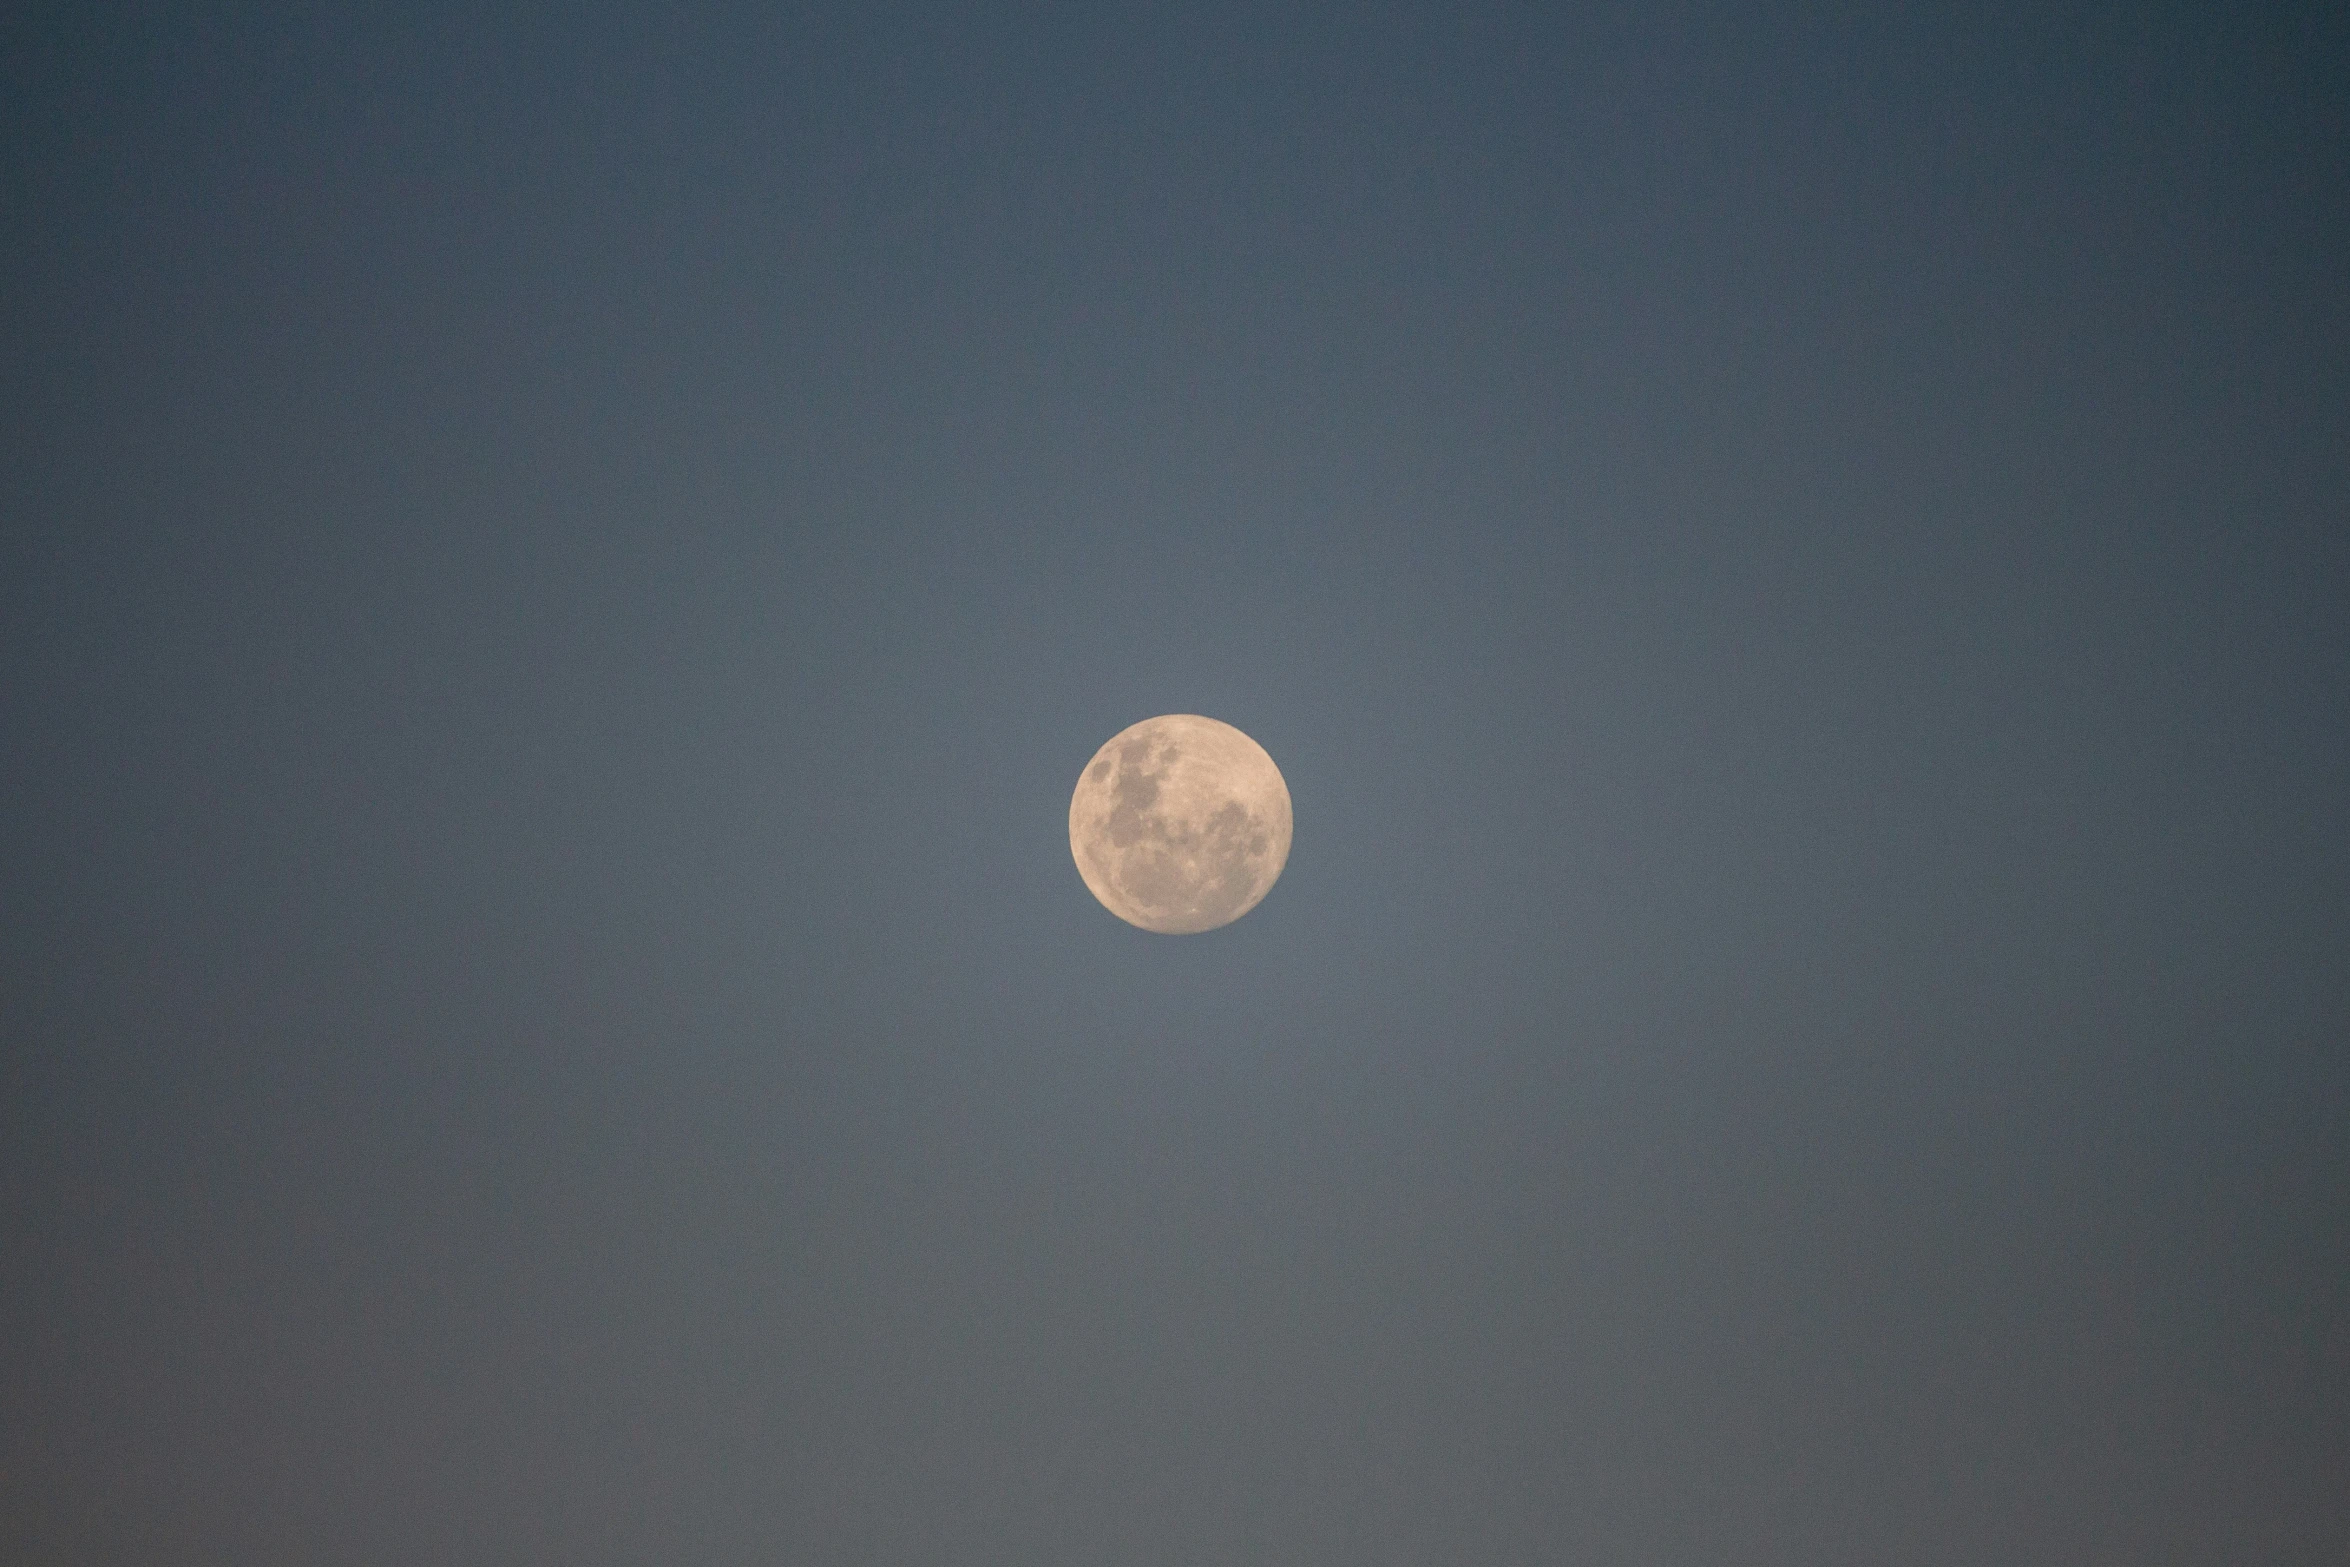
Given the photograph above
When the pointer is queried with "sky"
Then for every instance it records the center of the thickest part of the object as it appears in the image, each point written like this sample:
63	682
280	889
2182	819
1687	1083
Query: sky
558	567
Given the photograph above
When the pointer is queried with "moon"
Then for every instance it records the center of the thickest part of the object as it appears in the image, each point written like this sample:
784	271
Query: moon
1180	824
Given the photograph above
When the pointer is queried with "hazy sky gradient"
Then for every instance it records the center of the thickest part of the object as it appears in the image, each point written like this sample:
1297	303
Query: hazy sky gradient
556	575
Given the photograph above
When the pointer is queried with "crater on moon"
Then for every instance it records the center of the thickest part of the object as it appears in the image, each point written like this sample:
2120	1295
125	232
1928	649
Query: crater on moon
1180	824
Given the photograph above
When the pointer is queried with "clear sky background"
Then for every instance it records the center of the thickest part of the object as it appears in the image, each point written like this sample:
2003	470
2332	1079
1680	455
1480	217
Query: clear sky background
557	570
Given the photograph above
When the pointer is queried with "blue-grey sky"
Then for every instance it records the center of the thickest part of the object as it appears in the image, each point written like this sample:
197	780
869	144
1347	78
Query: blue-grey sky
557	570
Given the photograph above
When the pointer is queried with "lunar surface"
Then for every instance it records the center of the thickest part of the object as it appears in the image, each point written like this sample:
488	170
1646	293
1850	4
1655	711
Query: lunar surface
1180	824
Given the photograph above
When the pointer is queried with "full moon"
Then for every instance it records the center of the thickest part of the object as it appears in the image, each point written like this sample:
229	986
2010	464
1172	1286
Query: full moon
1180	824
